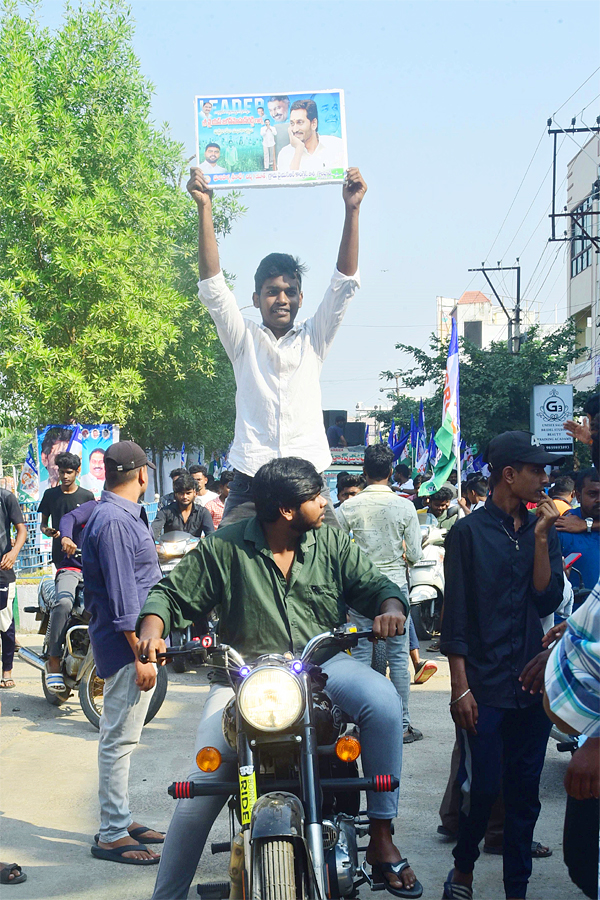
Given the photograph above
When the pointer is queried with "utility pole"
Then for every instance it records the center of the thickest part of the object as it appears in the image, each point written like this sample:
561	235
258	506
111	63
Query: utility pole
516	318
577	219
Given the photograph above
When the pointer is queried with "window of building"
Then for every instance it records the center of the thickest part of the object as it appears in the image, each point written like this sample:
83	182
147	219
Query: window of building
473	333
583	320
581	247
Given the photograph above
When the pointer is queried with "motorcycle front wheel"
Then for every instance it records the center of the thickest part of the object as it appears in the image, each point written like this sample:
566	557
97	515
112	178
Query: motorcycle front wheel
276	872
52	697
91	695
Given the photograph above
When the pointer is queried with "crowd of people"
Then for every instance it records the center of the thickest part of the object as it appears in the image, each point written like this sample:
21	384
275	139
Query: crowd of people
283	565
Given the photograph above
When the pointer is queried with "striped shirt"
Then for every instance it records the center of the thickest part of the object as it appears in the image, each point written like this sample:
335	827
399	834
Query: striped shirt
573	670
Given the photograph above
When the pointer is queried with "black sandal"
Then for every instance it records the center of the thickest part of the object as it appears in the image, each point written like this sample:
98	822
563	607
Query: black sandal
454	891
378	876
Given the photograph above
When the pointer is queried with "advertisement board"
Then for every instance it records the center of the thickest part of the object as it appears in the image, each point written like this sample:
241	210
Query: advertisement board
89	442
552	406
271	139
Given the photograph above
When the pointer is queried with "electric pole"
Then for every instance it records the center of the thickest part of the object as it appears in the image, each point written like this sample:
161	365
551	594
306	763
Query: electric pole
515	319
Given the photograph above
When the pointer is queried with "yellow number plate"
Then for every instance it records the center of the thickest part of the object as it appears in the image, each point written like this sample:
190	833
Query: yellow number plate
247	792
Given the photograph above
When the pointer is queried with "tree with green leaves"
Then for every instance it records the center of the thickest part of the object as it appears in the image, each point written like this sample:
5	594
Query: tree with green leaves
99	315
495	385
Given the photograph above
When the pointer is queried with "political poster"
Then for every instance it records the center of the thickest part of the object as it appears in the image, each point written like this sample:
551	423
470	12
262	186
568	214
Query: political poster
89	442
28	479
271	139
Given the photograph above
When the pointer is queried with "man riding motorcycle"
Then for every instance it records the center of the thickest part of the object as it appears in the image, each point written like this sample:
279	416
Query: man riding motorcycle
281	578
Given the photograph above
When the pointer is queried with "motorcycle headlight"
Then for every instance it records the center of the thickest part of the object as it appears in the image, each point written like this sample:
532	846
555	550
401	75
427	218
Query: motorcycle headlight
271	699
171	548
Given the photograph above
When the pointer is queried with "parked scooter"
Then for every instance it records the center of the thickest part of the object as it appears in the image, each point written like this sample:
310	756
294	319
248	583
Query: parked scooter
77	661
294	810
426	584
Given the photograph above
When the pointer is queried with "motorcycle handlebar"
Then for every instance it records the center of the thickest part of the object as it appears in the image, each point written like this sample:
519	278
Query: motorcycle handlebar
198	648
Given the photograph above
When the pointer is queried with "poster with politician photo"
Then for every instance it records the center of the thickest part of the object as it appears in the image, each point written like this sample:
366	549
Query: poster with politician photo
88	442
273	139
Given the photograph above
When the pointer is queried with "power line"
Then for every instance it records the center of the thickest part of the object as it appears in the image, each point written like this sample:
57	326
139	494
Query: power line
577	91
517	194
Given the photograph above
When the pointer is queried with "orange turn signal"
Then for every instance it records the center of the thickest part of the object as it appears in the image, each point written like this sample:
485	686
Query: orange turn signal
347	748
208	759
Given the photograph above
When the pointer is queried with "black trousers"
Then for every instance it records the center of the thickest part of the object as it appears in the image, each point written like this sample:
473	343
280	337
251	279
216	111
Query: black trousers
509	748
580	844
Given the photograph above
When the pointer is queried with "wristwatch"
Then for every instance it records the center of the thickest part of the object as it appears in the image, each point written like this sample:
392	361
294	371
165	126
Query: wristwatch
589	523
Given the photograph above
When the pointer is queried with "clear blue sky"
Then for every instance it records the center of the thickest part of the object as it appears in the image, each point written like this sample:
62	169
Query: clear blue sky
445	104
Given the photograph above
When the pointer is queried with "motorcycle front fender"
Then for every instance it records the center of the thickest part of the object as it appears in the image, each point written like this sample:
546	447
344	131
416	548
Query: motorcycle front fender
277	814
422	592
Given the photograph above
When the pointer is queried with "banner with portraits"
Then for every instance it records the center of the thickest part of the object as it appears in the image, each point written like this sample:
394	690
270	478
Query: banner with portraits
271	139
89	442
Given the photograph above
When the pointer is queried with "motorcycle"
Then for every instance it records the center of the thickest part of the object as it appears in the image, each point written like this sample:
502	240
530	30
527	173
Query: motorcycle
77	664
426	584
171	548
294	812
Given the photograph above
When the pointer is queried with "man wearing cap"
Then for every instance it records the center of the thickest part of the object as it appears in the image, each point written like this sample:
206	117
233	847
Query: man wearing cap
503	570
119	568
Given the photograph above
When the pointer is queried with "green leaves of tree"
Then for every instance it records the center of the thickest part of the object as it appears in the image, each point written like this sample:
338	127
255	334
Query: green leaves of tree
99	316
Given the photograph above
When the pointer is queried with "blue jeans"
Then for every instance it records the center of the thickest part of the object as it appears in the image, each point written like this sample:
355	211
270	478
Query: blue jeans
397	653
510	744
366	698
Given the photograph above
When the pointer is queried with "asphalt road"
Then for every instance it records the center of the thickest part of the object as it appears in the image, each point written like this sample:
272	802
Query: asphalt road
49	803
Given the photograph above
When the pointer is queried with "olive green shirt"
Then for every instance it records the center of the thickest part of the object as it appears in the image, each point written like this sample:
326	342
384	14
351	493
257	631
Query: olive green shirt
261	612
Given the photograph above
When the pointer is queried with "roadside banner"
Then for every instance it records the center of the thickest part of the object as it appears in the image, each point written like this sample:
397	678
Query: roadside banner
271	139
89	442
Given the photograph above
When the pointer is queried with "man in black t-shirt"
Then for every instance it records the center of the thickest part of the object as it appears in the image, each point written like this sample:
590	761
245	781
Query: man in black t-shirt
55	503
10	514
183	514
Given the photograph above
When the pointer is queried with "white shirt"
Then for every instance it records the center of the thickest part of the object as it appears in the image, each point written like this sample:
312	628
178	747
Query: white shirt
268	136
210	169
329	154
381	522
205	498
278	398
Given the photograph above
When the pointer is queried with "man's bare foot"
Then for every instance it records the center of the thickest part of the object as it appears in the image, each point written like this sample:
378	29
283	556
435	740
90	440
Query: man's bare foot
148	834
53	664
382	849
134	854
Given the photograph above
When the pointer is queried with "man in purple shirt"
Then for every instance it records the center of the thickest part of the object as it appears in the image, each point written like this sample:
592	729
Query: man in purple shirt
119	568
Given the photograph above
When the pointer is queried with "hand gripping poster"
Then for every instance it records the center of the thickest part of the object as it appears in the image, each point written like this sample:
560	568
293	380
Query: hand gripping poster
271	140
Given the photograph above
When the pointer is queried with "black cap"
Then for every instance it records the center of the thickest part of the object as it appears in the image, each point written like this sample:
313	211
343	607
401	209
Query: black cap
518	447
127	455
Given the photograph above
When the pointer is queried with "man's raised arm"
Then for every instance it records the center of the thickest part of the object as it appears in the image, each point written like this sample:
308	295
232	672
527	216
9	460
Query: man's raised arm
208	250
353	192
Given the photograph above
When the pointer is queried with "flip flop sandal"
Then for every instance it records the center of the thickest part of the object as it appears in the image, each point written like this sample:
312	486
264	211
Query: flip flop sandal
6	871
7	684
378	877
55	683
456	891
424	672
538	851
137	833
115	854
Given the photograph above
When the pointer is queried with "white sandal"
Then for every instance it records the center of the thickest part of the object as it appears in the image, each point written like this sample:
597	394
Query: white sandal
54	682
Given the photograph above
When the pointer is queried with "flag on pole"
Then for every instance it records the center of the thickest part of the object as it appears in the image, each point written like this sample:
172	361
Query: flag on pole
76	442
400	448
28	480
448	437
391	435
183	455
451	384
367	436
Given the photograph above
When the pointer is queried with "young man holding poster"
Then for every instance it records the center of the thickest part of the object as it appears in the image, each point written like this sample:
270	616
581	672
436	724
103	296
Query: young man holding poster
277	364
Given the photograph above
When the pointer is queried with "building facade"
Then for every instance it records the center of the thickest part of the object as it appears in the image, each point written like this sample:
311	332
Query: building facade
583	272
478	320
